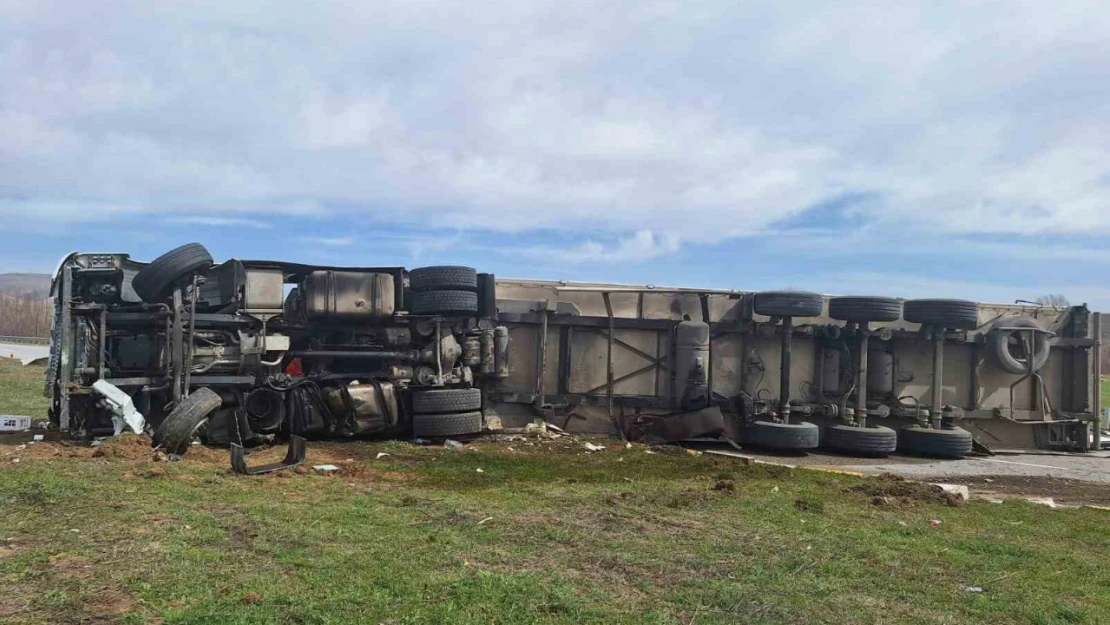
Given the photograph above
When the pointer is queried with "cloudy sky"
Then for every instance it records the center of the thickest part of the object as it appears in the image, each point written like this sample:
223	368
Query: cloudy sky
948	149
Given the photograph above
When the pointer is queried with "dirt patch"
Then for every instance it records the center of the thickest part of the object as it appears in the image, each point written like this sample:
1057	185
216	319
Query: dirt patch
69	566
1062	490
898	492
251	597
106	605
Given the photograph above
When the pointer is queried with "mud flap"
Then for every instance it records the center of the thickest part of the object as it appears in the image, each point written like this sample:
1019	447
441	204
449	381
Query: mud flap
293	457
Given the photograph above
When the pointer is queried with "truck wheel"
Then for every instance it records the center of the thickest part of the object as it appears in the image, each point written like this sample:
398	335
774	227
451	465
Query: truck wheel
450	424
176	431
446	303
861	309
1002	343
956	314
784	436
943	443
447	400
788	304
443	278
865	441
152	283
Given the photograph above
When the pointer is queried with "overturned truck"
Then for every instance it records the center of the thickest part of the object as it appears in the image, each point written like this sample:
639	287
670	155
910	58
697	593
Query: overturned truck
243	352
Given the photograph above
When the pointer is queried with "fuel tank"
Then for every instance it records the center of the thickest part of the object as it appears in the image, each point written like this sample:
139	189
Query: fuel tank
348	296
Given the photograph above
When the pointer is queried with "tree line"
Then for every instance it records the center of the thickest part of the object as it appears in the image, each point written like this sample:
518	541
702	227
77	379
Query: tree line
24	315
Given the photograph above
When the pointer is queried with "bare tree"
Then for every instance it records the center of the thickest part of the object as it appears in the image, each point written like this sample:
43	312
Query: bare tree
1055	300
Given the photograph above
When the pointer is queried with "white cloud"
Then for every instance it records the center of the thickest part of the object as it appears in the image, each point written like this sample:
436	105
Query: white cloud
207	220
628	119
330	241
641	246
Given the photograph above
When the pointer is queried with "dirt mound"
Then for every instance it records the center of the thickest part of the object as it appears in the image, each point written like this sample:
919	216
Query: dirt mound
1062	490
898	492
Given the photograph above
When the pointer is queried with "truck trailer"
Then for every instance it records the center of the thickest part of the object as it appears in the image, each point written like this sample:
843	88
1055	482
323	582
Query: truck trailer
245	352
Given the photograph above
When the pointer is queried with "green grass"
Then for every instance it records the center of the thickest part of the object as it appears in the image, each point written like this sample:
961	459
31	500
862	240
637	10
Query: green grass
543	534
615	537
21	389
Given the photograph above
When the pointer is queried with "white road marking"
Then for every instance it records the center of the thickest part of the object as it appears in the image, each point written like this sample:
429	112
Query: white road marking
1025	464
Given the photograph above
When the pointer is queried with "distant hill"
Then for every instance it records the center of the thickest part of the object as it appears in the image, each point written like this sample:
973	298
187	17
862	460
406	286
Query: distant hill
34	284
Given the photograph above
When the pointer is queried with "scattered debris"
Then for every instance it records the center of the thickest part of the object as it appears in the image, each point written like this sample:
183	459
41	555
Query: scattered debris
483	521
934	522
966	588
381	454
628	445
325	468
775	489
592	447
14	423
479	470
1044	501
693	452
15	460
957	490
38	438
453	445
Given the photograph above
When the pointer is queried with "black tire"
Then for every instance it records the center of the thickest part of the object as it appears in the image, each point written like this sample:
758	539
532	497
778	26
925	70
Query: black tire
957	314
447	400
862	309
176	431
868	441
784	436
943	443
450	424
999	343
443	278
152	283
788	304
448	303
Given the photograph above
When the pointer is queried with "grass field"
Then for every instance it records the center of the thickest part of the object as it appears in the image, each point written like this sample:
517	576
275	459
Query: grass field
21	389
1106	393
520	532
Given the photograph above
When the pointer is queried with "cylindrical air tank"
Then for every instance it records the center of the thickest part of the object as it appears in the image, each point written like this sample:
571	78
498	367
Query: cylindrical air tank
691	382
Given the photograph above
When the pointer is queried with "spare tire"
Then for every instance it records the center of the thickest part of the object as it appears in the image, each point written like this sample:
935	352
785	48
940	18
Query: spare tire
944	443
152	283
863	309
177	430
788	304
957	314
448	303
865	441
783	436
1002	343
451	424
447	400
441	278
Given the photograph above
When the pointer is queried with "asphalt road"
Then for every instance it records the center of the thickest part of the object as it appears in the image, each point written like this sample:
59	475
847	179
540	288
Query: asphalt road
1094	467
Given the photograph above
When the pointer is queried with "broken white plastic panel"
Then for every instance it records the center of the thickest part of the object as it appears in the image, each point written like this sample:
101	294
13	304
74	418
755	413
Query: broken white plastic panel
121	406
